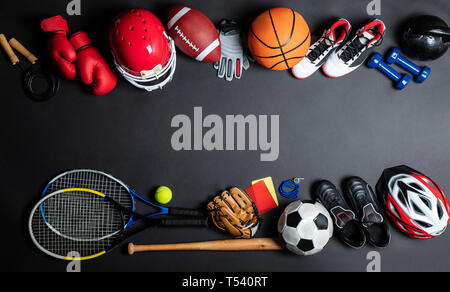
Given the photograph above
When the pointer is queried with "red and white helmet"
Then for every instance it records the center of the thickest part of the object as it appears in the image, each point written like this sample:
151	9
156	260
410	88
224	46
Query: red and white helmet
143	52
414	202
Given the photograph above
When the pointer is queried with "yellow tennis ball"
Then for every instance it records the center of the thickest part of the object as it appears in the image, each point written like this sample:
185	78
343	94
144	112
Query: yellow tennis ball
163	195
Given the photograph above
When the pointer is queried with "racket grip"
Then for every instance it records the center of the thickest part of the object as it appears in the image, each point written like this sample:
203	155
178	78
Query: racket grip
186	212
184	222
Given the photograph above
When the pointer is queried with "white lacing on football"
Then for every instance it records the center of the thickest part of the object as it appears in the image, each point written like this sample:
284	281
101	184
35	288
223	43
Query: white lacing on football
185	39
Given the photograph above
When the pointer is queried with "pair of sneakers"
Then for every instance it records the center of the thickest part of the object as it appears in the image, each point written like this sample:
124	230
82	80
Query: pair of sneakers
357	214
336	53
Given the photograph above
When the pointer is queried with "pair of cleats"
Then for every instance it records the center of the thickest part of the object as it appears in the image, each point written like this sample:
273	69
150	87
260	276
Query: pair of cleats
336	53
367	224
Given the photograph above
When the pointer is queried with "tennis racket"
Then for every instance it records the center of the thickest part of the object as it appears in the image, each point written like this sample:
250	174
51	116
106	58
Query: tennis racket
72	217
114	189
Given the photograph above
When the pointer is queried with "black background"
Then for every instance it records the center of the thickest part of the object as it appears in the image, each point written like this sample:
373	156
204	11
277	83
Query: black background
356	125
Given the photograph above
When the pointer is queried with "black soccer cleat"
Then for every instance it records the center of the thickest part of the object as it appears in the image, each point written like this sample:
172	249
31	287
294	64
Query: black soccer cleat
348	228
362	198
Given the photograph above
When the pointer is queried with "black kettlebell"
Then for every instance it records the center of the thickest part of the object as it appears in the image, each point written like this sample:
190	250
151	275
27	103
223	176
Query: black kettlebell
425	38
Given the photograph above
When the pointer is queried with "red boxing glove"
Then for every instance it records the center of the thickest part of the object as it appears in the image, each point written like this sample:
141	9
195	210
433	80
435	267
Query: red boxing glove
92	68
62	52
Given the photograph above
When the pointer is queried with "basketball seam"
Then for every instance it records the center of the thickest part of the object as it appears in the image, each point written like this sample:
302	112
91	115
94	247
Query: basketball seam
278	39
292	58
292	31
307	37
270	47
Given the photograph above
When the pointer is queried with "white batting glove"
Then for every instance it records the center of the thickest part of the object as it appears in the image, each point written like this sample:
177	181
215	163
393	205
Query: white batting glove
233	60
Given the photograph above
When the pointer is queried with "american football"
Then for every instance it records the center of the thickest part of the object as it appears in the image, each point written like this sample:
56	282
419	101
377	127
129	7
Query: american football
194	34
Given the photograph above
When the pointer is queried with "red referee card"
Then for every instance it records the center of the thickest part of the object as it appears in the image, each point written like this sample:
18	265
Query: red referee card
261	196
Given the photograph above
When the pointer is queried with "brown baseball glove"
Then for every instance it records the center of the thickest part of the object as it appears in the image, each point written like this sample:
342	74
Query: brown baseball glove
234	212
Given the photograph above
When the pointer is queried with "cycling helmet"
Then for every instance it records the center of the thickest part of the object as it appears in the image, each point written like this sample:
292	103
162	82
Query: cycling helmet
143	52
414	202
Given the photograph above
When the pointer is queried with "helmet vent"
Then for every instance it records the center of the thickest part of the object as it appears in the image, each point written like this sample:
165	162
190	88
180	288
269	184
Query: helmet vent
417	210
401	226
394	211
416	186
131	28
440	211
426	201
402	199
422	224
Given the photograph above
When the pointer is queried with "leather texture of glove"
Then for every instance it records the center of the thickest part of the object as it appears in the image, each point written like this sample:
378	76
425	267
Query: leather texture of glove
234	212
92	68
59	47
234	59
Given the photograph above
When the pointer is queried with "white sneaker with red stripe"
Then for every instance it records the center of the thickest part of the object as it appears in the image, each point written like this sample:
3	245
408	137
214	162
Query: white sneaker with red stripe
330	41
355	52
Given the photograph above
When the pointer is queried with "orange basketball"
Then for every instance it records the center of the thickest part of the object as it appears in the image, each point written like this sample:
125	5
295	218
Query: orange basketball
279	38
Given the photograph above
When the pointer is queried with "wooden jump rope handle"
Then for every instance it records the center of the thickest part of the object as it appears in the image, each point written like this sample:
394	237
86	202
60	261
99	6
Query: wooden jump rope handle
219	245
21	49
9	51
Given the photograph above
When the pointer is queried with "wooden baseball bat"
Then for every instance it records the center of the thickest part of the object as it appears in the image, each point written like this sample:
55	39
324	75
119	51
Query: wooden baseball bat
219	245
9	51
21	49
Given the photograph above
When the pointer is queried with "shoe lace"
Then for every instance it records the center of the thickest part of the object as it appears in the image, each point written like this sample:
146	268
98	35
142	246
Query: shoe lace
356	47
320	49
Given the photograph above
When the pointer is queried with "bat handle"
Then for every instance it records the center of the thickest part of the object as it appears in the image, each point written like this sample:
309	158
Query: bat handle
9	51
21	49
254	244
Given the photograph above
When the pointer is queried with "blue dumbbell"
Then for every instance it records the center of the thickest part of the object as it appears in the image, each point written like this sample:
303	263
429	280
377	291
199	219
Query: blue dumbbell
421	74
401	81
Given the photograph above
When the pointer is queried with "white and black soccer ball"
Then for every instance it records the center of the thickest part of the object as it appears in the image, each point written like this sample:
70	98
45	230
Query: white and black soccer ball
305	227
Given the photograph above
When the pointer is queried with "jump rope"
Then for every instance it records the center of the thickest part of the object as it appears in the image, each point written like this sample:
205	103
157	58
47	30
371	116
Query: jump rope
290	188
31	72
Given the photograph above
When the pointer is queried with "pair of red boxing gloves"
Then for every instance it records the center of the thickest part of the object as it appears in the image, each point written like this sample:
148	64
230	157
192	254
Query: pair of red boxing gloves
77	57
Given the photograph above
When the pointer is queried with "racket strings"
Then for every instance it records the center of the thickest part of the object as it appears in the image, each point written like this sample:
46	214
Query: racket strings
98	182
81	216
55	245
72	217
